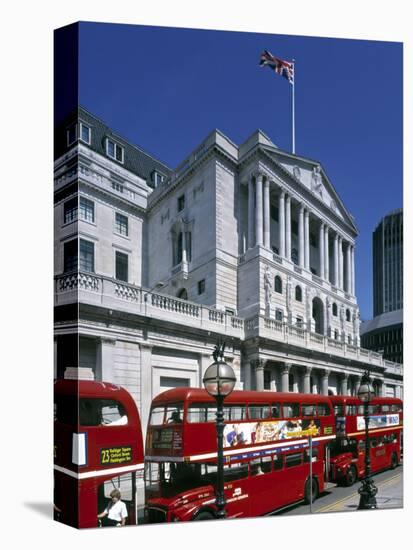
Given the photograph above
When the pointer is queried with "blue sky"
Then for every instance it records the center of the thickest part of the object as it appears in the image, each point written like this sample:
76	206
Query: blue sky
165	89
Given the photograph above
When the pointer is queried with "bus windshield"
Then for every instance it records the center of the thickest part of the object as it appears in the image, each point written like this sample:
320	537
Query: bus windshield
342	445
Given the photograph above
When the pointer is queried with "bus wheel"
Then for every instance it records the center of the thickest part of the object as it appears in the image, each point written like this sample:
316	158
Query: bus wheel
203	516
307	490
394	462
351	476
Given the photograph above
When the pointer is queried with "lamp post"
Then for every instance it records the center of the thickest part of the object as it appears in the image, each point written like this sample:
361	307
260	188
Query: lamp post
368	490
219	381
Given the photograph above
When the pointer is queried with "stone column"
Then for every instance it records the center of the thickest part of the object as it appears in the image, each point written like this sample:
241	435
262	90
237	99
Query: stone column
326	373
301	236
307	375
353	274
266	213
321	250
273	380
307	239
281	222
251	242
288	227
340	263
284	377
259	374
247	376
336	280
344	389
258	210
314	388
356	384
326	255
348	268
105	359
146	384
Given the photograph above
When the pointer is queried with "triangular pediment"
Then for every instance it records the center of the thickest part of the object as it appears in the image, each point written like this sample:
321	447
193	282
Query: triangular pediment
311	175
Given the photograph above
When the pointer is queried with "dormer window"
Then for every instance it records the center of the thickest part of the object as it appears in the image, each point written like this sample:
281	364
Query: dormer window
157	178
71	134
84	133
114	150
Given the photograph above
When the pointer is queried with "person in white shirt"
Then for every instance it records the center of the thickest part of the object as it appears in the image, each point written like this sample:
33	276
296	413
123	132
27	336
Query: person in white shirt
115	513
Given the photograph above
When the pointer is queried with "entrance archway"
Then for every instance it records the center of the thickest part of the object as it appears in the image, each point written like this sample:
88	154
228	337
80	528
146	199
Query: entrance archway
318	315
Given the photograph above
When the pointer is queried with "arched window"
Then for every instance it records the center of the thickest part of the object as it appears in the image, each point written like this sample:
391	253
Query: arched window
334	309
278	285
298	293
183	294
348	315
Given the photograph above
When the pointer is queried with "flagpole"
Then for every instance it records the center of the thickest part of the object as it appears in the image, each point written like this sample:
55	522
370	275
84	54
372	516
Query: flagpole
293	108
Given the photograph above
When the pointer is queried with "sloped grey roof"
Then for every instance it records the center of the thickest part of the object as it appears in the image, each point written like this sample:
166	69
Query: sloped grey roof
382	321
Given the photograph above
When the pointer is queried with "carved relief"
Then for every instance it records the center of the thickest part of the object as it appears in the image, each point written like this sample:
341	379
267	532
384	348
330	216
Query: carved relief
267	286
297	173
316	180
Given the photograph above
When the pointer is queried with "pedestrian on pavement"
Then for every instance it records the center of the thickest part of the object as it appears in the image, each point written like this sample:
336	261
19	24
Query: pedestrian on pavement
115	513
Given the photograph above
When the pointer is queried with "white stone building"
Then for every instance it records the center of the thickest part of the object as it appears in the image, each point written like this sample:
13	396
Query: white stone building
246	242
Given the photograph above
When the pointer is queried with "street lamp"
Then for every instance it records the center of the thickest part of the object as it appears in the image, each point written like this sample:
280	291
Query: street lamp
368	490
219	381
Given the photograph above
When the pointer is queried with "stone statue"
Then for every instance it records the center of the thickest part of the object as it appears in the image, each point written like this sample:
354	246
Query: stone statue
342	316
297	172
289	298
316	180
267	287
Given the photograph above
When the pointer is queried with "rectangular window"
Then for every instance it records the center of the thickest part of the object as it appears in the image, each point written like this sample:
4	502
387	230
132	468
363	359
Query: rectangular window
279	315
121	266
291	410
293	460
70	256
85	133
201	286
114	150
323	409
259	411
235	412
201	413
121	224
314	453
87	209
181	203
70	210
275	410
72	134
308	410
278	462
87	256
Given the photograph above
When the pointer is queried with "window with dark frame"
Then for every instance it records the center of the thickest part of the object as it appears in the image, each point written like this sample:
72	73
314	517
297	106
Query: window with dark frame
70	261
201	286
181	203
121	224
121	268
87	256
84	133
278	285
87	209
298	294
114	150
334	309
70	210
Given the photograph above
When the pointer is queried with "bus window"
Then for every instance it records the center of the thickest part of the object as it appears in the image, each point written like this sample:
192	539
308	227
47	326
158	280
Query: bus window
314	453
308	410
361	445
323	409
339	410
275	410
385	408
257	412
351	410
374	409
373	442
202	412
278	461
235	412
236	471
260	466
395	407
291	410
293	460
157	416
111	413
173	414
66	410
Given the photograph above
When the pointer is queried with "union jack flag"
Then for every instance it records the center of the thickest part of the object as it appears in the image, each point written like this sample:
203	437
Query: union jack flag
281	67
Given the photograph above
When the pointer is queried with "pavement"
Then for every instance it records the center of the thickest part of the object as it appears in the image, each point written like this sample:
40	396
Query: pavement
390	495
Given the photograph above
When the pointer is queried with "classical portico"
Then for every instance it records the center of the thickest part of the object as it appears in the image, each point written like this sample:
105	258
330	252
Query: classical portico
297	233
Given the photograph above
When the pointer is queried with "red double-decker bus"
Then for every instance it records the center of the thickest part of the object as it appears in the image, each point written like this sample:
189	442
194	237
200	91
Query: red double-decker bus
347	452
266	453
98	447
